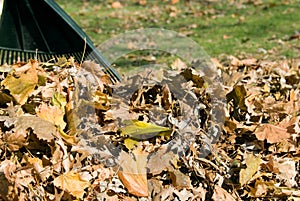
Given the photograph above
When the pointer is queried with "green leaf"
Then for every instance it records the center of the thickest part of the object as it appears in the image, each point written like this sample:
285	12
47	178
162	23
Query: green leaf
142	130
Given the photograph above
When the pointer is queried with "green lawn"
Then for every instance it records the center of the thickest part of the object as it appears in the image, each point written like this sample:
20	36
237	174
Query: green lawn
257	28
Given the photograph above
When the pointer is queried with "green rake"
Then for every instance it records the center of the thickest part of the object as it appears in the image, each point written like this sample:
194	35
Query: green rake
41	29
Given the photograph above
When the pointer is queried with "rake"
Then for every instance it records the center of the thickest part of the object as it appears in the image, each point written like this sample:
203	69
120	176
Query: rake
41	29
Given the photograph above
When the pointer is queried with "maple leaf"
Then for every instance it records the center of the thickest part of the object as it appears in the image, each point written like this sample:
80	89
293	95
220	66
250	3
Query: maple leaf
22	86
52	114
15	141
272	133
43	129
72	183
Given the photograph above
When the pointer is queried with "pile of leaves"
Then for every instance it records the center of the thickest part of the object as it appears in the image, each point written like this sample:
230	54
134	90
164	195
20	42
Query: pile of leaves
67	132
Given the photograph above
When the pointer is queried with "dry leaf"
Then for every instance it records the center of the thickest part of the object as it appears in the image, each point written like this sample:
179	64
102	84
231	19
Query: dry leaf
133	174
180	180
52	114
272	133
43	172
221	194
252	163
23	85
161	160
178	65
16	140
72	183
286	171
116	5
44	130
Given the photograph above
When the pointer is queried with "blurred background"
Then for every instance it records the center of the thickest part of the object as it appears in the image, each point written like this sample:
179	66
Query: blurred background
243	28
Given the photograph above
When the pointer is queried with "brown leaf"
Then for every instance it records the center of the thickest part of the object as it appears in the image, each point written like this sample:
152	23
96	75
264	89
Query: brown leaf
116	5
43	129
180	180
161	160
286	171
221	194
272	133
133	174
72	183
23	85
43	172
178	65
16	140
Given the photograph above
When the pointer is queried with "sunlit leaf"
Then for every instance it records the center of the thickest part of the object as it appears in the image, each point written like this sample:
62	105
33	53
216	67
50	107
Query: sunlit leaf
72	183
52	114
21	86
43	129
221	194
142	130
133	173
252	163
271	133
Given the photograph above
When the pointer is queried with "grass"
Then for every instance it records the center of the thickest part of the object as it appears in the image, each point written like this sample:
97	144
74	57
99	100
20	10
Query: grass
220	27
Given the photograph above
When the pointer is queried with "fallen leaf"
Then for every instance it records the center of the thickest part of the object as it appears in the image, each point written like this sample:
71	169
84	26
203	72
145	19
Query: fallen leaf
286	171
252	163
161	160
238	96
142	130
272	133
179	179
261	188
133	174
221	194
43	129
72	183
178	65
15	141
59	101
23	85
43	172
116	5
52	114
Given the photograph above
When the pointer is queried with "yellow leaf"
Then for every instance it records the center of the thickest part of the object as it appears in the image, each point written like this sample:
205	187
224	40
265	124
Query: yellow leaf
22	85
59	101
143	130
72	183
130	143
252	163
52	114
